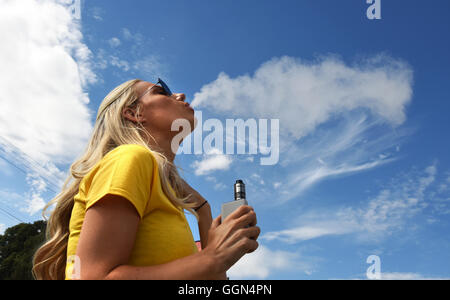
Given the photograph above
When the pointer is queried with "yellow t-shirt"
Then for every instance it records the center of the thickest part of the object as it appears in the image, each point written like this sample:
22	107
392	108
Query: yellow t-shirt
131	171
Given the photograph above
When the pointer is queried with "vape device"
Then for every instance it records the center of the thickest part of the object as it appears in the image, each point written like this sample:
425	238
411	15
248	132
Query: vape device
239	199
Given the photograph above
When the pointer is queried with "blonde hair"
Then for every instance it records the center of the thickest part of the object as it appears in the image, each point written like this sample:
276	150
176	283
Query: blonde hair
110	131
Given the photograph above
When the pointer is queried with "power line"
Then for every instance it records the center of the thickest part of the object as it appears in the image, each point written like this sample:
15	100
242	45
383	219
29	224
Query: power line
2	209
11	215
25	172
28	159
34	166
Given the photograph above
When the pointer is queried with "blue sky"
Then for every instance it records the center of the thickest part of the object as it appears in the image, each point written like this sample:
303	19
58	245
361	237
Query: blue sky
363	167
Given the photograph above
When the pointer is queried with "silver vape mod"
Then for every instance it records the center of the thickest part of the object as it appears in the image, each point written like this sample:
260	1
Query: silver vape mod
239	199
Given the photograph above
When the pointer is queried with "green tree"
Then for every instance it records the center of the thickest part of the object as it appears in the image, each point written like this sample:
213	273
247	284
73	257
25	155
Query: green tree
17	247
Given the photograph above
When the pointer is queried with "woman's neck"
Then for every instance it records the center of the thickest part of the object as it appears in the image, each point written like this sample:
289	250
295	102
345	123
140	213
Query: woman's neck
163	144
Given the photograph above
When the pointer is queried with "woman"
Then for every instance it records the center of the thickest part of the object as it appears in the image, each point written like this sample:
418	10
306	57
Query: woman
120	213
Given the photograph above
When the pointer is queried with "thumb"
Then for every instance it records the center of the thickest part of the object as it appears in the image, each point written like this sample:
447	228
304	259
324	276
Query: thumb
216	222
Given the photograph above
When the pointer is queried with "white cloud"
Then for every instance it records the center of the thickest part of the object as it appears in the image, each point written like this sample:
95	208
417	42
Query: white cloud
276	185
14	203
335	119
212	161
303	180
348	146
218	186
10	197
44	115
381	216
34	199
5	168
408	276
307	232
138	38
445	185
30	202
264	262
119	63
304	95
2	228
97	13
42	84
35	203
134	58
401	276
150	66
114	42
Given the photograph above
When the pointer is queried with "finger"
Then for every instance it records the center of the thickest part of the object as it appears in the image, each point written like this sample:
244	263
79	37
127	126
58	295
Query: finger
252	232
249	219
249	245
240	211
253	220
243	234
216	222
253	245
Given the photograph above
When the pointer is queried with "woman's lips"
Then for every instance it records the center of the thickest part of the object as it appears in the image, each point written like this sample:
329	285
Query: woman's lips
188	106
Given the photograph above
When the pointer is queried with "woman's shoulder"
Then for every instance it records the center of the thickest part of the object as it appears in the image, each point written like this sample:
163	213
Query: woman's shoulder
129	158
127	151
131	148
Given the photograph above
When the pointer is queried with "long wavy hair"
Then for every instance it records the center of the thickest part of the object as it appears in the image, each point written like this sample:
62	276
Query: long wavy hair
110	131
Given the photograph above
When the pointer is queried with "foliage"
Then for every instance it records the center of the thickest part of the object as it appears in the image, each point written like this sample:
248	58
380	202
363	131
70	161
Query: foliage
17	247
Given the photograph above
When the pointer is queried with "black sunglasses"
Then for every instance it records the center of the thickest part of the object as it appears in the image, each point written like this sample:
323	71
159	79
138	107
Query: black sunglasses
163	85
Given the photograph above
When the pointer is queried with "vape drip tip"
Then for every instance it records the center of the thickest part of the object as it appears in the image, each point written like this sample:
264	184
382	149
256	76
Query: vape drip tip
239	190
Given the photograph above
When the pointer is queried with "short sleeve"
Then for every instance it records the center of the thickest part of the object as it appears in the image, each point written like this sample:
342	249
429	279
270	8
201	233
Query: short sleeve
126	171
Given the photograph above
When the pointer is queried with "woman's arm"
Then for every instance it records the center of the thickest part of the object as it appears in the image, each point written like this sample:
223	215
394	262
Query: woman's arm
204	213
109	231
198	266
204	218
204	221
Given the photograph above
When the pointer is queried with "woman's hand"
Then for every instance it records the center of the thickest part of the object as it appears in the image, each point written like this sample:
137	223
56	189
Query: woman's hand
232	239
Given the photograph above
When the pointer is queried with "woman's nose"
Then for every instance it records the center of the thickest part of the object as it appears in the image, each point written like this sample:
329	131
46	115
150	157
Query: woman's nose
180	97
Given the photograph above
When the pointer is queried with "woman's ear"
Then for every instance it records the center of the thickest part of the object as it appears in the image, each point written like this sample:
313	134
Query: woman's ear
130	114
